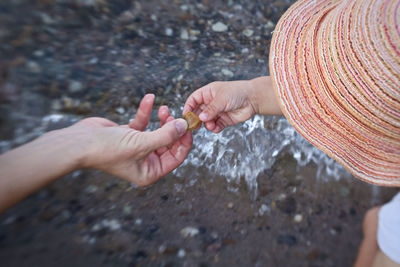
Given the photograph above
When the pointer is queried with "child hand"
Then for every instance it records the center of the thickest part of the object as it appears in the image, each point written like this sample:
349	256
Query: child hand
222	104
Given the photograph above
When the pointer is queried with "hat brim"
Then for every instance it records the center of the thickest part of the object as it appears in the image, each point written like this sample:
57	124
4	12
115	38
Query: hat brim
327	87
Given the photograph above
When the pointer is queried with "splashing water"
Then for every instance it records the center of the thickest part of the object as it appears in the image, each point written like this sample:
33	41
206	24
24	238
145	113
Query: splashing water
248	149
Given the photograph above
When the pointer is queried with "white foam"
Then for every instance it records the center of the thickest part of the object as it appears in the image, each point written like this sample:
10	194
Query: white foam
249	149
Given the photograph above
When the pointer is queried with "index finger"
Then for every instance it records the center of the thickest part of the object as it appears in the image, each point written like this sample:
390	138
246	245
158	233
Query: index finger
193	101
199	97
143	114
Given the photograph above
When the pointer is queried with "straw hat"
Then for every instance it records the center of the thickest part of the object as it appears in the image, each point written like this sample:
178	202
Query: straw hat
336	70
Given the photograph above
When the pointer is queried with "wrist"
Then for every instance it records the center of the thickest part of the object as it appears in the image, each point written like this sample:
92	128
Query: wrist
65	147
264	97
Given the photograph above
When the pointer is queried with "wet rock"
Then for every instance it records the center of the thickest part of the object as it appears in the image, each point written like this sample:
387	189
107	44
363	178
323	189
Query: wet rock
344	191
127	78
150	231
288	240
229	242
184	34
264	208
169	32
214	247
127	210
219	27
313	255
248	32
269	25
38	53
181	253
288	205
214	235
48	215
33	67
74	206
227	73
140	255
112	225
75	87
120	110
298	218
168	249
202	230
189	231
94	60
91	189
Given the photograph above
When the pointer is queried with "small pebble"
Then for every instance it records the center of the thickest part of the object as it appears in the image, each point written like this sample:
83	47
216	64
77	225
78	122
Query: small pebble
270	25
127	78
184	34
263	209
33	67
227	72
298	218
230	205
189	231
120	110
91	189
94	60
127	210
219	27
181	253
248	32
38	53
75	87
169	32
112	224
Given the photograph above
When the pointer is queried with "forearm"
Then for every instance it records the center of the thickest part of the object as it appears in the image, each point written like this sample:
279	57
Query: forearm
264	96
30	167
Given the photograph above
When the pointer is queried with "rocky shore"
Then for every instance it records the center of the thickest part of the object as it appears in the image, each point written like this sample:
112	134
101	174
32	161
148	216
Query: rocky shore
84	58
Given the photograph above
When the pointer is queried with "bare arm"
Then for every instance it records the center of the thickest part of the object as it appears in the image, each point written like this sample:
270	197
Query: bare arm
121	150
34	165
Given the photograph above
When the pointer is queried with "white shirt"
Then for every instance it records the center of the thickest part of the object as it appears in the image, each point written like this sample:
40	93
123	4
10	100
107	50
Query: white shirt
389	229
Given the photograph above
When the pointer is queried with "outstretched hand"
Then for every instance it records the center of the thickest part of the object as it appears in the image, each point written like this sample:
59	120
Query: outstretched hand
222	104
130	153
122	150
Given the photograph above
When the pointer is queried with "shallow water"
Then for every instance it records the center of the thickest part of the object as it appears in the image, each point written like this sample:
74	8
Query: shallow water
251	148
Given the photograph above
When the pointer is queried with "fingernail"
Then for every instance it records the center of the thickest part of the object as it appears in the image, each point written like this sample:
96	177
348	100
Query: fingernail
150	97
203	116
181	126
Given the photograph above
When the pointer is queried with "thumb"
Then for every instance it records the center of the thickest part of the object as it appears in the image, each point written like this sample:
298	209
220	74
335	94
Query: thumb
216	106
167	134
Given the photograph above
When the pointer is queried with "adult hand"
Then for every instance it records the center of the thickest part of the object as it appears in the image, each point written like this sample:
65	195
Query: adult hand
122	150
130	153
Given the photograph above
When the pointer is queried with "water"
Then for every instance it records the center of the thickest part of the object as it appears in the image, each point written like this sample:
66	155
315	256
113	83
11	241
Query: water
248	149
242	151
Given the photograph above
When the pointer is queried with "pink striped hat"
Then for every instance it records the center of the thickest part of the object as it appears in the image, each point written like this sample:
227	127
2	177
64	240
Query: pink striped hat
336	70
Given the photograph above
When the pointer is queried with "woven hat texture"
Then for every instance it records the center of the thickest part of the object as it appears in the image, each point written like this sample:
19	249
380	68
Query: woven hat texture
336	70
